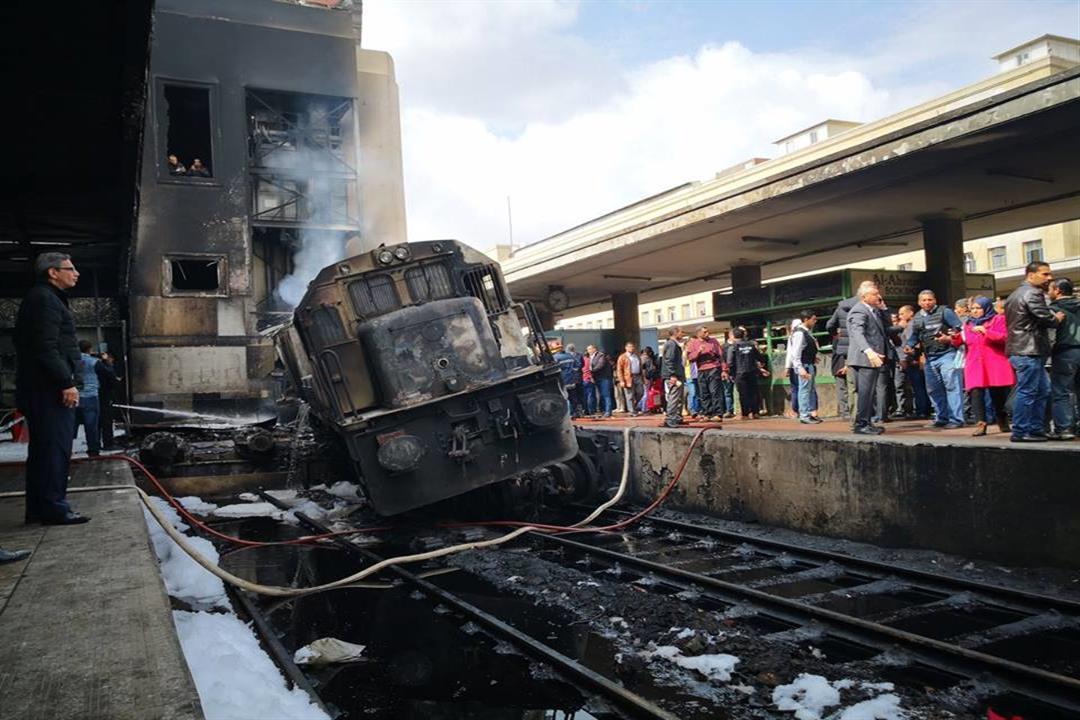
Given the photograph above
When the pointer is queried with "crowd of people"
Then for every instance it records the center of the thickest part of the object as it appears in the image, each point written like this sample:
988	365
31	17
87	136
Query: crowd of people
696	376
1013	363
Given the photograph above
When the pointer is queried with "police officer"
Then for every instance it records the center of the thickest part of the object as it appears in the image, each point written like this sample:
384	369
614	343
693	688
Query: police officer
47	379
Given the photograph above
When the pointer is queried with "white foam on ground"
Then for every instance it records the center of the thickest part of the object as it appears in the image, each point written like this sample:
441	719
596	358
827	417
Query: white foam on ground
236	680
246	510
196	505
184	578
808	696
883	707
716	667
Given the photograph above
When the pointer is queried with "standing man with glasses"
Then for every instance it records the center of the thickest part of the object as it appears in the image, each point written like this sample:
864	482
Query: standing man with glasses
47	380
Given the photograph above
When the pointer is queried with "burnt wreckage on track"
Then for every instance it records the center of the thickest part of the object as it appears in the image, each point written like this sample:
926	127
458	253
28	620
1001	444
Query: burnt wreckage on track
435	380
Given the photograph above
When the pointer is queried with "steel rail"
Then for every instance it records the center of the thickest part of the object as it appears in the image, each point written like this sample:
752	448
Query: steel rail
1043	602
1058	689
282	657
628	701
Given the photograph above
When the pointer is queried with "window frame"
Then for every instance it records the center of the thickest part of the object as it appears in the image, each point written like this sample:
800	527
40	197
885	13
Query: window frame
161	133
1025	249
168	289
1004	257
970	265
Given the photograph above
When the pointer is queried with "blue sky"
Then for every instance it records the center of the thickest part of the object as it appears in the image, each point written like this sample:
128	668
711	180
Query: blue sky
575	107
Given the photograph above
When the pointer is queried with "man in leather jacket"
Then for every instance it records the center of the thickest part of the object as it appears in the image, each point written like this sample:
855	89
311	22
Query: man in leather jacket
1028	319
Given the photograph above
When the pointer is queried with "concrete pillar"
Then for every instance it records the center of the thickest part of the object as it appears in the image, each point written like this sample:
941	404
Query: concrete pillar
745	277
545	316
627	327
943	248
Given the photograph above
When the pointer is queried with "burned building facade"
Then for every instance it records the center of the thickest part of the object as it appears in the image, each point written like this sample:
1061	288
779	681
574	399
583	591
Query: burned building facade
271	140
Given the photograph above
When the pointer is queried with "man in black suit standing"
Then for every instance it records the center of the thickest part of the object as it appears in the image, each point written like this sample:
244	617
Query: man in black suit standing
867	340
48	375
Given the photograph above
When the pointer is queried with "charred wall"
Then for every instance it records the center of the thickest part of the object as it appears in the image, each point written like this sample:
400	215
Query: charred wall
193	343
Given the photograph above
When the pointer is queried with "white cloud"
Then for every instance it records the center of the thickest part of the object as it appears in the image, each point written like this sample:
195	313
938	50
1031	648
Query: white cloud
503	99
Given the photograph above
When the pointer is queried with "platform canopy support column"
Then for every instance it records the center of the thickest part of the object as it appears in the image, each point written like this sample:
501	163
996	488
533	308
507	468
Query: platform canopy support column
943	249
745	277
624	305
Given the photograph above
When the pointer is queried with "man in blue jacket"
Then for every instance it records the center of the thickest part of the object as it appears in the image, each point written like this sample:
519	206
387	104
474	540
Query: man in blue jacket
932	329
47	380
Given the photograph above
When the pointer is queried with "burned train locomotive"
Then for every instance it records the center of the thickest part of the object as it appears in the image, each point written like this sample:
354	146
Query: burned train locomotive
437	382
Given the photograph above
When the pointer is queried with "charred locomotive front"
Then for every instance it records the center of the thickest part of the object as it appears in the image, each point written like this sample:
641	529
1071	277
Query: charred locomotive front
436	380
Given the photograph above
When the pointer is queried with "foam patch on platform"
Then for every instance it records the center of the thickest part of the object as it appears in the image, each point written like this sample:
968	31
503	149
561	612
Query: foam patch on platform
236	680
184	578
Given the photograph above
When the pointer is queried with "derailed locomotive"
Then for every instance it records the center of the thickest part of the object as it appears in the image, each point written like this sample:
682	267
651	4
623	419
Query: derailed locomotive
436	381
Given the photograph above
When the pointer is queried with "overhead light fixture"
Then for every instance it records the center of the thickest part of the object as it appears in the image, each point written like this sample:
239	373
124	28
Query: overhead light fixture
871	243
774	241
627	277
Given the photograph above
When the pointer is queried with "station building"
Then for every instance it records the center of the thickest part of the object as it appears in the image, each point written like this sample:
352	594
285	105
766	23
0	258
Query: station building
257	140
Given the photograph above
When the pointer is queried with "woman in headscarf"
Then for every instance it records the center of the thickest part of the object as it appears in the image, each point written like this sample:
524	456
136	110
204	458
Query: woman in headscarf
987	368
653	401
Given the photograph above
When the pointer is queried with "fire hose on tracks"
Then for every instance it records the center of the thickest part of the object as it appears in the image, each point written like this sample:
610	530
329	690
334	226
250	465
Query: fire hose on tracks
521	528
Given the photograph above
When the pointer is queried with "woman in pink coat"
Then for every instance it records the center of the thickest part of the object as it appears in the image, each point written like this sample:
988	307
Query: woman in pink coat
986	368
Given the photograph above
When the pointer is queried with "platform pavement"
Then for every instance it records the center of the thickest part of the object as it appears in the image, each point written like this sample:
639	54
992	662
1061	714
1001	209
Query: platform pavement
86	628
835	429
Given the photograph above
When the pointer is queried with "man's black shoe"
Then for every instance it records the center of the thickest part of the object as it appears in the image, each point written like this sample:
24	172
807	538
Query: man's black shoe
1029	438
1051	435
868	430
1066	436
72	518
938	425
7	556
951	426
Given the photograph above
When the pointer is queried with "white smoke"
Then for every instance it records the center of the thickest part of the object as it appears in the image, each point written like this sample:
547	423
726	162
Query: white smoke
317	246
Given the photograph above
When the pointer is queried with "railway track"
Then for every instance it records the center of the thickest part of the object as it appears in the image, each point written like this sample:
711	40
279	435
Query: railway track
936	631
1027	642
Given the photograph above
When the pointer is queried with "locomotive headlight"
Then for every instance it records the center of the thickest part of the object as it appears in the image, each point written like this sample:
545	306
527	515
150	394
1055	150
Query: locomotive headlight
385	257
401	253
401	454
544	409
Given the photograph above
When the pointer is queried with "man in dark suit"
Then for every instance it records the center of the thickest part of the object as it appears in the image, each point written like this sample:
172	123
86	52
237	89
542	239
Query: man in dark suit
867	340
48	375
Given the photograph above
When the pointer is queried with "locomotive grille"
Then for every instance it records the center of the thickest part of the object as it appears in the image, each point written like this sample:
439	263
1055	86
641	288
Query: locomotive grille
326	328
374	295
483	285
430	281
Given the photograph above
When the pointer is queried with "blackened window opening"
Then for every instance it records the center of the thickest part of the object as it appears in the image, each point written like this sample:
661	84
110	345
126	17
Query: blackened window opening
197	275
188	135
483	284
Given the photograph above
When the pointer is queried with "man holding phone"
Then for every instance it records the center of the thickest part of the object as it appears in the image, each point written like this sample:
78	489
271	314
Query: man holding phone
933	328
